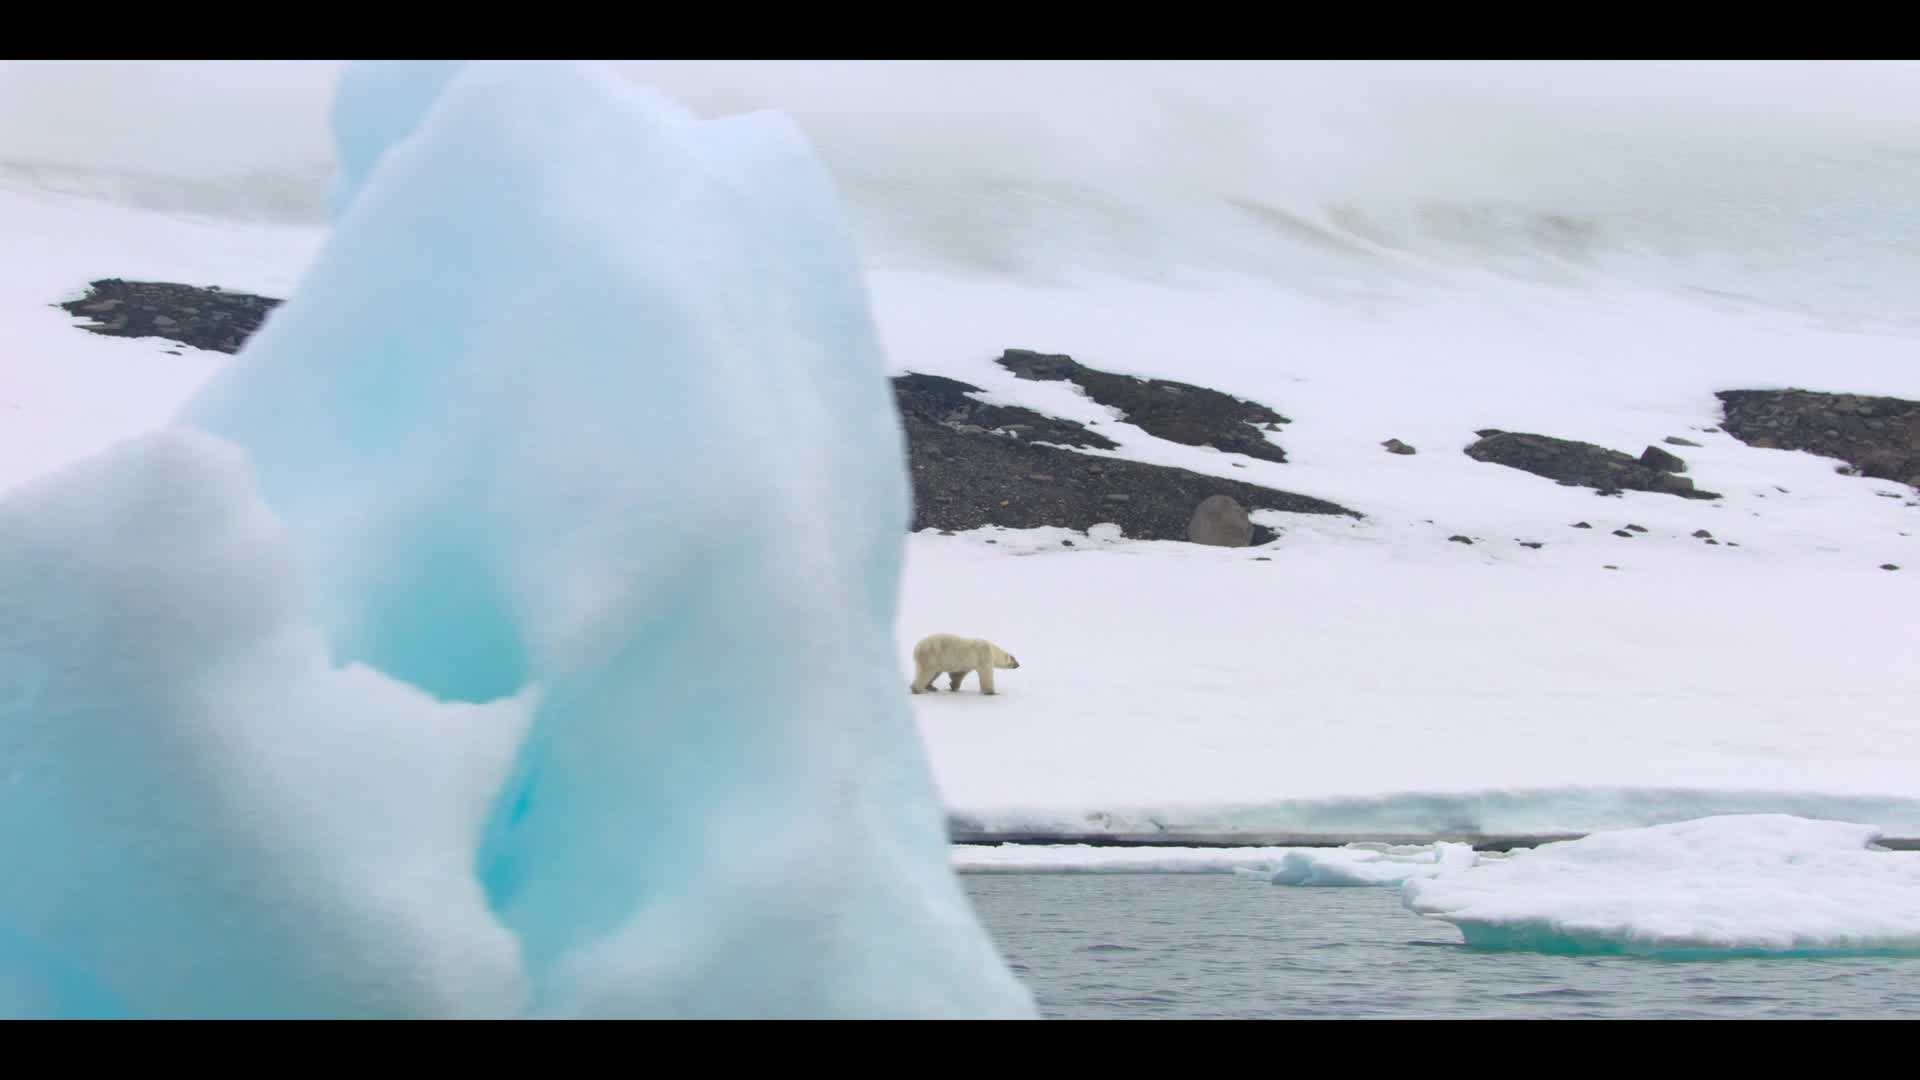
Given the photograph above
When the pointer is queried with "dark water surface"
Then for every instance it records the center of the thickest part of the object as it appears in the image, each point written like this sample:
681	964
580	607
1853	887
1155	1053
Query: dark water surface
1219	946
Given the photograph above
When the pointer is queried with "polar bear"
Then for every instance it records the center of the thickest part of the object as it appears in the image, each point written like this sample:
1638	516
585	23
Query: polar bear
956	656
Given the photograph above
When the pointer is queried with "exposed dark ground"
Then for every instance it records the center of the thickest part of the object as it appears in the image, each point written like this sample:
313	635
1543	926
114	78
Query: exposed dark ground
976	464
973	464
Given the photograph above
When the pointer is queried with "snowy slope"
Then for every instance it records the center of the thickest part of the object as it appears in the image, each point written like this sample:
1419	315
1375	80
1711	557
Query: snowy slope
64	398
1371	677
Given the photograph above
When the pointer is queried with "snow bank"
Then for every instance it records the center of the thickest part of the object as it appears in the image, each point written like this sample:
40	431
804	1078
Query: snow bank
1738	884
1360	685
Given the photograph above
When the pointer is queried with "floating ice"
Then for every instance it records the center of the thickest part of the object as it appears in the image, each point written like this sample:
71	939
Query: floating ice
1370	864
1735	884
1352	864
579	413
1097	859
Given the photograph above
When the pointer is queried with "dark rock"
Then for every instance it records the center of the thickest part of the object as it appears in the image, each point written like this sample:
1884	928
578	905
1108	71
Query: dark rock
1888	566
1874	436
1883	464
962	488
1670	484
1714	542
1395	446
1655	458
1623	532
1609	566
1178	412
1581	525
1530	544
1608	472
965	475
1637	528
1702	534
204	318
936	399
1458	539
1675	440
1220	522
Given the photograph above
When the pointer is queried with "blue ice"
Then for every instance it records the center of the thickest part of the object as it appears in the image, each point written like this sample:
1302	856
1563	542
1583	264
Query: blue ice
509	630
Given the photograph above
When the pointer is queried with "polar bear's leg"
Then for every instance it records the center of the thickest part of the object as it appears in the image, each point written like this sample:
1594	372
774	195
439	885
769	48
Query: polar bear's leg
955	678
986	679
923	678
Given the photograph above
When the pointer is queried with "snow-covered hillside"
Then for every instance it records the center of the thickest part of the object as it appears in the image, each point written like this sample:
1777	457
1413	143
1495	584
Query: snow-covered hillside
1589	253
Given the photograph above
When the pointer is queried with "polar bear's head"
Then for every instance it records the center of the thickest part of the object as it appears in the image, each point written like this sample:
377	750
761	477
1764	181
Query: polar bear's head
1004	659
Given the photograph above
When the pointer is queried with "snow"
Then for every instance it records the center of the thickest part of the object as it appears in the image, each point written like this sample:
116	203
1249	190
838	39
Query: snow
61	398
1350	688
1411	251
1764	884
573	665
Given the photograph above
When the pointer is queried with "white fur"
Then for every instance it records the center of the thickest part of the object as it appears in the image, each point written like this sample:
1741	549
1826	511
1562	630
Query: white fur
956	656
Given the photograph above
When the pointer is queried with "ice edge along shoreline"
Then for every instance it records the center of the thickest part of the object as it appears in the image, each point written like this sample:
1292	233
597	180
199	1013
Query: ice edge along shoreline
1479	841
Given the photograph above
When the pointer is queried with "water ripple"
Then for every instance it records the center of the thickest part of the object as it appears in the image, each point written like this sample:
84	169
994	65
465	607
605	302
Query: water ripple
1202	946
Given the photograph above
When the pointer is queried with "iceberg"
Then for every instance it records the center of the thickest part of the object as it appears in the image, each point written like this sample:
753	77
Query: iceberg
508	630
1737	884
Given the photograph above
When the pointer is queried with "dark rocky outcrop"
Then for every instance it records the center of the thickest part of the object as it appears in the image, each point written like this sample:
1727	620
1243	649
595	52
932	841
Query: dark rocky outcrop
973	464
1395	446
965	476
1655	458
1878	436
1175	411
938	400
1220	522
205	318
1579	464
965	480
